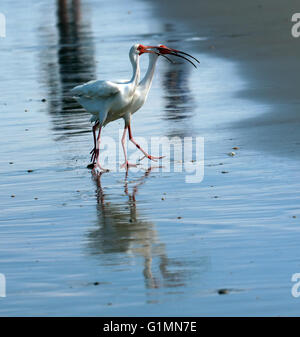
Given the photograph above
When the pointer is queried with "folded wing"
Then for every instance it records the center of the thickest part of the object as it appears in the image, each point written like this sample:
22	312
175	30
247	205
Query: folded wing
96	89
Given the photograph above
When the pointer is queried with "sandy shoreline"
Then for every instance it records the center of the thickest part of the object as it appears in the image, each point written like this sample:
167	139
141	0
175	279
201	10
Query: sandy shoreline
149	243
257	36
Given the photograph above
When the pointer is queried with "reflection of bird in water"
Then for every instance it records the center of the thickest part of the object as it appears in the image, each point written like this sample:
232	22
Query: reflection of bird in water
108	101
124	234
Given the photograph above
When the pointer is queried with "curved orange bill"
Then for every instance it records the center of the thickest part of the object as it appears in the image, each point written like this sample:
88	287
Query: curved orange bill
163	50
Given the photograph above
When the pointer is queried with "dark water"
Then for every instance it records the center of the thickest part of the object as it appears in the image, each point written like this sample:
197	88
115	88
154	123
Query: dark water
149	244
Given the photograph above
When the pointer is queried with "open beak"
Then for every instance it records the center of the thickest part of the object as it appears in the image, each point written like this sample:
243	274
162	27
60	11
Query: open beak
164	50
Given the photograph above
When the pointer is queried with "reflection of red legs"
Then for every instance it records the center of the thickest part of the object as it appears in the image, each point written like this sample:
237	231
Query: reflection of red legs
126	163
138	146
97	167
95	151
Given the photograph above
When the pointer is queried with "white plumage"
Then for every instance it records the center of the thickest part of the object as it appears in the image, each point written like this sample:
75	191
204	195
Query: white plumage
108	101
96	97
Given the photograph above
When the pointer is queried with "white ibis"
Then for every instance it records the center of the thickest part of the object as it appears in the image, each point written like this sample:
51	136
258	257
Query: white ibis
108	101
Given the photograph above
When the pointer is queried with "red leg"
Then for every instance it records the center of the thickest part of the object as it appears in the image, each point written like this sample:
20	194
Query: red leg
126	163
98	168
139	147
95	151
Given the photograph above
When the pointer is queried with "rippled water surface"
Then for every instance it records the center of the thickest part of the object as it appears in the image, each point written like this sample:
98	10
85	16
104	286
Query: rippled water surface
149	244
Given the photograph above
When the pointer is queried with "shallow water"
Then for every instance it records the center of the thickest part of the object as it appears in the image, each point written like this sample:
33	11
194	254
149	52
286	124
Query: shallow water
150	244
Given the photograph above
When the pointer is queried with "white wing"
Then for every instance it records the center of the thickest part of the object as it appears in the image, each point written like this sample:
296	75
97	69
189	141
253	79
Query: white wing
96	89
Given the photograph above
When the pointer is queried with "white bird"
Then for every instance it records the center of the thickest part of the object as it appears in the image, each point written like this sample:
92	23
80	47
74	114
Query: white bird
108	101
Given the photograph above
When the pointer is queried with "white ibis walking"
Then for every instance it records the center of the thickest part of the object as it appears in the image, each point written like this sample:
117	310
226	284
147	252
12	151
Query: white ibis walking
108	101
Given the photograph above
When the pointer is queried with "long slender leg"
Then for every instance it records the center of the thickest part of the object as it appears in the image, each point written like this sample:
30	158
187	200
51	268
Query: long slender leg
94	153
139	147
126	163
98	168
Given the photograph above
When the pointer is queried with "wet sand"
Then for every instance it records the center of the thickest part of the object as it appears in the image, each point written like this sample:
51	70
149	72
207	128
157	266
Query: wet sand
148	244
257	37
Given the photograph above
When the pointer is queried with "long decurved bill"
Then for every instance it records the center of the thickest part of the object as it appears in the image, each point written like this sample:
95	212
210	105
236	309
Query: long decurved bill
164	50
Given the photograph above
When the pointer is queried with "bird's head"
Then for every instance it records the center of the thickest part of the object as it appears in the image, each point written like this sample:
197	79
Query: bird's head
140	49
163	50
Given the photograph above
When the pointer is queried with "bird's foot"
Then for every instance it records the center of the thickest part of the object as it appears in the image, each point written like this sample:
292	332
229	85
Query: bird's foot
153	158
127	165
94	155
98	169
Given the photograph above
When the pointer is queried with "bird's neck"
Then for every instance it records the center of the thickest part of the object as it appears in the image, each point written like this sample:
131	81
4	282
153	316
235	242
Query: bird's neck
145	84
134	59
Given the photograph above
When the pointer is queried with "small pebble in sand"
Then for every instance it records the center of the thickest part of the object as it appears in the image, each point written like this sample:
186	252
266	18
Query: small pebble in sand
12	195
225	172
44	100
29	171
231	154
235	148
